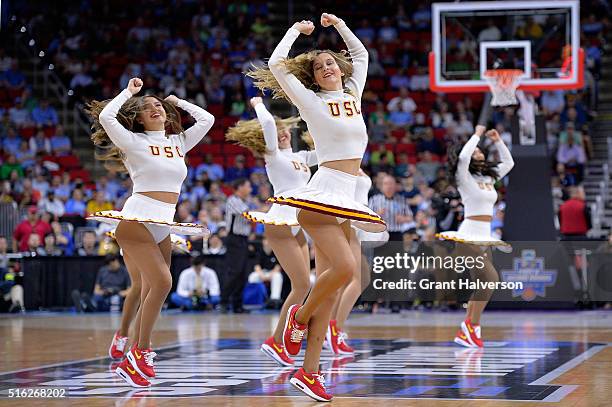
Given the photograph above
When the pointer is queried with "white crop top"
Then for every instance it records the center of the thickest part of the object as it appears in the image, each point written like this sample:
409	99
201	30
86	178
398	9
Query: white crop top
286	169
364	183
154	160
333	117
478	192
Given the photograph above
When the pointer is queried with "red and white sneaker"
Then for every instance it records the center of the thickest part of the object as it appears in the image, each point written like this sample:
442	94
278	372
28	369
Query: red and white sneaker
277	352
311	384
294	332
472	334
130	375
142	361
117	348
343	347
461	339
331	337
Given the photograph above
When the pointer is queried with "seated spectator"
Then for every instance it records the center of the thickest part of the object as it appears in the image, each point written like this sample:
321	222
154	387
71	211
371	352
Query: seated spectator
198	287
574	215
553	101
112	285
365	31
63	239
238	170
214	245
89	245
268	270
76	204
34	246
25	156
400	80
45	115
403	102
64	189
387	33
50	248
491	33
572	156
41	184
50	203
11	142
401	167
32	224
428	167
98	203
428	142
19	115
60	143
419	81
381	153
422	17
9	166
378	124
214	171
14	78
40	144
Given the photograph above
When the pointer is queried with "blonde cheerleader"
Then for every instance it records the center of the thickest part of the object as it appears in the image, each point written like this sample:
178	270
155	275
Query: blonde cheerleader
271	138
143	136
326	88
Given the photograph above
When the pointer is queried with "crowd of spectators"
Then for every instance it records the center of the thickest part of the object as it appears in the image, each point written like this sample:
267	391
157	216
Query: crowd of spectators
198	51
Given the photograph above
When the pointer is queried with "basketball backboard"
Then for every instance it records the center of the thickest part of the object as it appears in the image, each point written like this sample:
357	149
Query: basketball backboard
541	38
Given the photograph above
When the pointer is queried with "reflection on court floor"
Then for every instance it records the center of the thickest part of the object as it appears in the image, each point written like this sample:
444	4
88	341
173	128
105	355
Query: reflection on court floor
380	368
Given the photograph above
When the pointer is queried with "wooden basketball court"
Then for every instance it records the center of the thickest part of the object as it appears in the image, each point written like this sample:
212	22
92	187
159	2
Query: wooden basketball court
403	359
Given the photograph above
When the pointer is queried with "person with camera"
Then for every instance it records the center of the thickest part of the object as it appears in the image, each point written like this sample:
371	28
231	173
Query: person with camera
112	285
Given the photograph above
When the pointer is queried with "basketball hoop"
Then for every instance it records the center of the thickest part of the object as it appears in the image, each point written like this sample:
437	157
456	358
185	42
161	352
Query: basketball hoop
503	84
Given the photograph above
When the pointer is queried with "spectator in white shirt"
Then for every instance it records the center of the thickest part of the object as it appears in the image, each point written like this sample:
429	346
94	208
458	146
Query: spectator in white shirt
491	33
198	287
553	101
403	102
52	204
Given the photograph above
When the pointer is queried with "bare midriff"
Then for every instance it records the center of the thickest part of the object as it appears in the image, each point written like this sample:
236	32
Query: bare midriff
349	166
167	197
481	218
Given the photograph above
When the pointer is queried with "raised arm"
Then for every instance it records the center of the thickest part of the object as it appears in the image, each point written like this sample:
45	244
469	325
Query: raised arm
119	135
506	161
309	157
359	54
300	96
267	124
465	156
204	121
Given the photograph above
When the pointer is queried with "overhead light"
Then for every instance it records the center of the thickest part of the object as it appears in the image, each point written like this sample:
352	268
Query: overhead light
32	42
70	92
22	29
41	54
51	67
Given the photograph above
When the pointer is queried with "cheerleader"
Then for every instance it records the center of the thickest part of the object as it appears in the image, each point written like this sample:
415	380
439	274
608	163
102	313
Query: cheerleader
131	134
475	178
131	302
326	88
336	337
271	138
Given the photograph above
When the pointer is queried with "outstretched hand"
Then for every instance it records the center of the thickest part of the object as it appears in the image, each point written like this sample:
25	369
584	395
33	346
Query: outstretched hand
305	27
173	100
134	85
255	101
329	19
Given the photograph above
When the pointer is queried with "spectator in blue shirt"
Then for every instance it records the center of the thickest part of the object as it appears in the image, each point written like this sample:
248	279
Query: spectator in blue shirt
45	114
60	143
12	141
76	205
13	77
238	170
215	171
365	32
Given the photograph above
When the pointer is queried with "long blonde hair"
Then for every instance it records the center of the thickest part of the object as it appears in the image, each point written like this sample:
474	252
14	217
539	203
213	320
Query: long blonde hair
301	67
308	140
128	114
249	133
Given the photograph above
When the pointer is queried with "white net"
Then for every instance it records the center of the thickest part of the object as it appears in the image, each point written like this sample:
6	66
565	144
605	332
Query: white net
503	84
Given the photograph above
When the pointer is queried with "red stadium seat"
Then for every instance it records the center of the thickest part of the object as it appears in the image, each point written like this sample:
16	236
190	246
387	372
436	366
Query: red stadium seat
409	149
49	131
232	149
82	174
215	110
69	162
216	134
27	132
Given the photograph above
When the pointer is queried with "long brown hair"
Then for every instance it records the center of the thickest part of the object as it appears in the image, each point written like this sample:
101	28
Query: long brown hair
301	67
249	134
128	114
